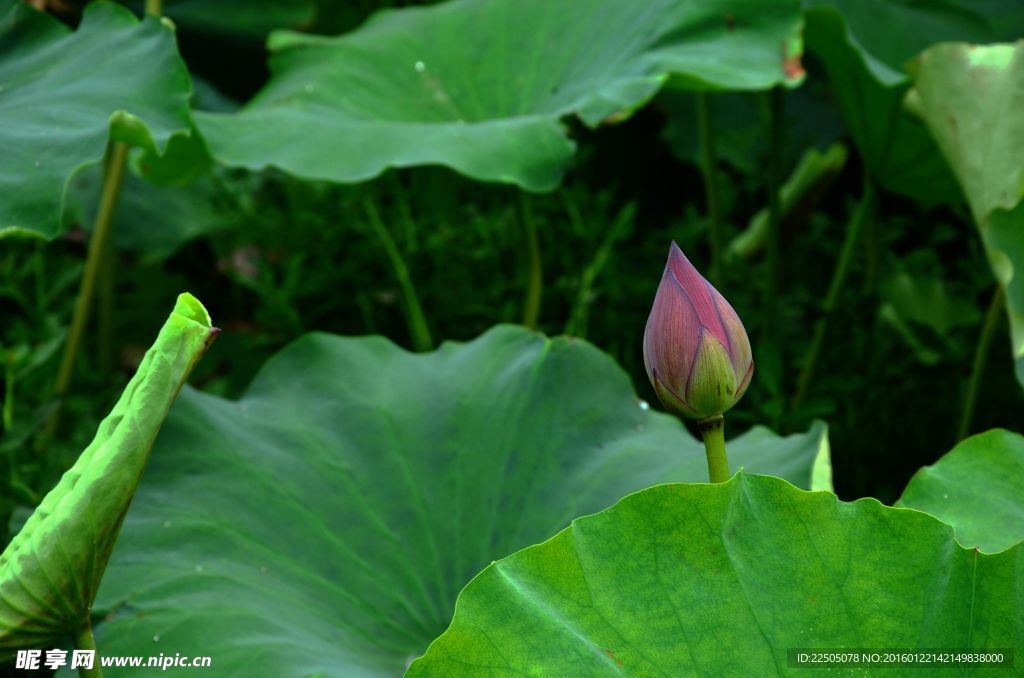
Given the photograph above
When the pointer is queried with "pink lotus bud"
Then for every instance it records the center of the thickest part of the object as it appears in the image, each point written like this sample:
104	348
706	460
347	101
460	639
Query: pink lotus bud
696	351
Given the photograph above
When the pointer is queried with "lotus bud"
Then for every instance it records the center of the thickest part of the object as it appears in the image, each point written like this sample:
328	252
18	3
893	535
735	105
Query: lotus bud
696	351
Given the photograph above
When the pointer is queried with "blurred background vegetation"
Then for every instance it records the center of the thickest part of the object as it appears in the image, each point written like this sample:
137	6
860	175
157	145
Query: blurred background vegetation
274	256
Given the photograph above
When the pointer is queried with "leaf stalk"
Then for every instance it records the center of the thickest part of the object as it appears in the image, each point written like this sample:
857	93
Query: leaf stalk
711	191
113	175
84	640
772	246
981	352
535	283
418	328
860	216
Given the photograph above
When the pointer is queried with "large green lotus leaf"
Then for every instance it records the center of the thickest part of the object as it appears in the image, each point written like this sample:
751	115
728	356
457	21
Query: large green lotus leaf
888	33
51	570
186	158
63	92
482	85
324	523
977	488
865	46
969	96
971	99
721	580
896	147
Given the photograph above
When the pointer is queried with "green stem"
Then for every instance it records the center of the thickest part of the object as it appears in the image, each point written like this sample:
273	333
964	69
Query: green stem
105	310
772	245
84	640
418	329
980	358
154	7
402	201
578	318
39	274
873	255
873	242
713	431
860	216
8	413
535	285
366	310
711	192
112	176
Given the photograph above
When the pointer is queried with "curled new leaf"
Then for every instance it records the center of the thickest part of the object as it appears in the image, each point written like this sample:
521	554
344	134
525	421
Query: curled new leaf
50	571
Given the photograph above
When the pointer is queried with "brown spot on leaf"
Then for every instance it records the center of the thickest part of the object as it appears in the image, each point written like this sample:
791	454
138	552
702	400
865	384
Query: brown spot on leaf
730	21
211	335
611	655
615	118
792	66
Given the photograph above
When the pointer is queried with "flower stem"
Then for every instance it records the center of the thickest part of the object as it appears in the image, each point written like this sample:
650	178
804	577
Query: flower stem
84	640
713	431
535	286
860	216
980	358
711	192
